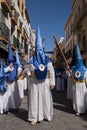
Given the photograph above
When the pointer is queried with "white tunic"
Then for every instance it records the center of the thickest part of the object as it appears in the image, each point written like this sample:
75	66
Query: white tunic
80	96
1	103
20	84
40	97
11	97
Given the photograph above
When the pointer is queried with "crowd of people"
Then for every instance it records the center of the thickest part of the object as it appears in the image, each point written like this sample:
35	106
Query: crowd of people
76	91
39	77
36	75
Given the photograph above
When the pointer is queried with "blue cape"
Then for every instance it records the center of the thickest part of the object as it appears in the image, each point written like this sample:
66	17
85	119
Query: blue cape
2	80
78	67
39	58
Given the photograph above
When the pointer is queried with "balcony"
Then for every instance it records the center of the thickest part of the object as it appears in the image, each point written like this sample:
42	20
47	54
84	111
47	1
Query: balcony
81	15
2	17
21	51
69	54
4	33
6	5
14	45
23	33
14	17
19	27
11	3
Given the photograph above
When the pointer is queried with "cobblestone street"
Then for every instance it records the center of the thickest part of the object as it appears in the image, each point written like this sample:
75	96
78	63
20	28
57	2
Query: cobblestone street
64	117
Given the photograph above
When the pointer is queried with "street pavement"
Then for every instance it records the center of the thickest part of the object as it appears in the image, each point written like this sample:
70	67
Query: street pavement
64	117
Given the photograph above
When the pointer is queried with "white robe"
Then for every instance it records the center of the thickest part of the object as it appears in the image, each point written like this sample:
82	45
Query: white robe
12	94
1	103
40	97
20	84
80	96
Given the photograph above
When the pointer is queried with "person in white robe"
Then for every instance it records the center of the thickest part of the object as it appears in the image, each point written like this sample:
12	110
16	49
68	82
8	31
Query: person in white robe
11	70
41	81
3	91
79	89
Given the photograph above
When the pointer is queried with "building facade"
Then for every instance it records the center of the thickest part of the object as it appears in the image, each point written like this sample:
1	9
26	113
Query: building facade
14	26
76	28
69	41
79	10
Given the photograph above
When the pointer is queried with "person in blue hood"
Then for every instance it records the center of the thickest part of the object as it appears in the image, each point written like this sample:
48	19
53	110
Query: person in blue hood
41	81
80	75
2	87
11	69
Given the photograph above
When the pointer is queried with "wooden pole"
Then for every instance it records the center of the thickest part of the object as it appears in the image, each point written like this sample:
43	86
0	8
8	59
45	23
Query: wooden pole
64	58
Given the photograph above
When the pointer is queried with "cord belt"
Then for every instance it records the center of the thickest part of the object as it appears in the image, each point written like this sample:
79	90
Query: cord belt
81	81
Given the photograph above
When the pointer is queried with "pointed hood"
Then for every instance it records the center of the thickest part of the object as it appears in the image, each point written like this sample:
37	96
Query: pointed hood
10	54
77	54
39	57
17	58
39	60
78	67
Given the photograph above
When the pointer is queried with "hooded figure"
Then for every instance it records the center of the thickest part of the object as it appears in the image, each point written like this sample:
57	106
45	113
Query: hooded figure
39	60
11	70
78	67
41	81
79	90
12	74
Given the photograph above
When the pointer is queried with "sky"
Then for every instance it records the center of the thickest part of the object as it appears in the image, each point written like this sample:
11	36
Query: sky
51	16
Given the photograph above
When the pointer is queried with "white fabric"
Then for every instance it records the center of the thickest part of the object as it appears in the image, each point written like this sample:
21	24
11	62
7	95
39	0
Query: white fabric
80	97
40	97
7	69
5	100
21	88
1	104
11	99
25	83
20	84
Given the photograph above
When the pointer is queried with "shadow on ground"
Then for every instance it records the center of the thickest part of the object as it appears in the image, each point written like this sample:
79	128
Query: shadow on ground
61	102
20	113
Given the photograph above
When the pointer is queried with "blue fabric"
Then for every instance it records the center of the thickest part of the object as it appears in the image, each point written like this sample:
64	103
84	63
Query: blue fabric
17	58
77	64
12	75
2	80
2	84
10	55
41	75
39	58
